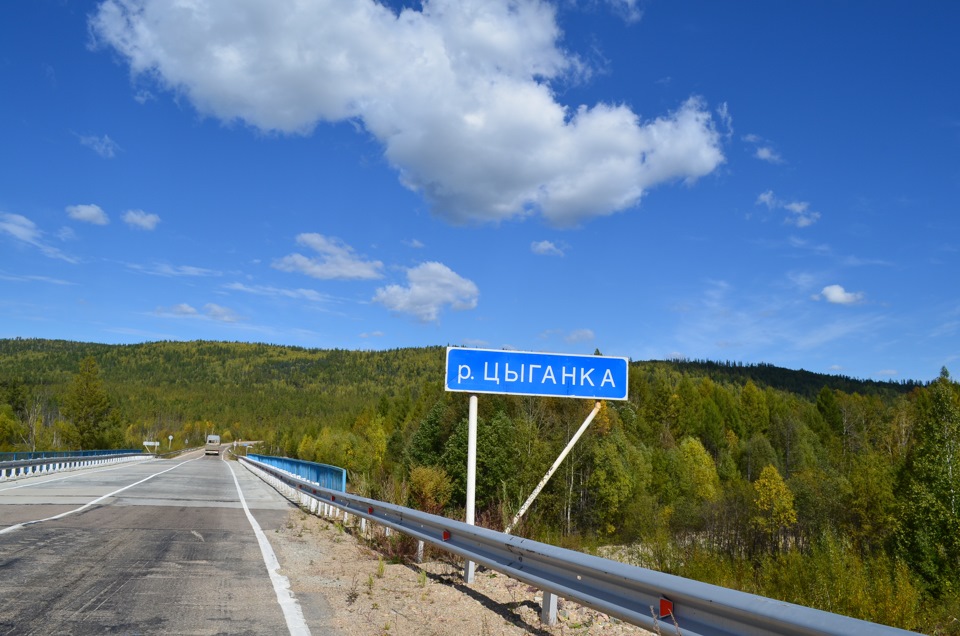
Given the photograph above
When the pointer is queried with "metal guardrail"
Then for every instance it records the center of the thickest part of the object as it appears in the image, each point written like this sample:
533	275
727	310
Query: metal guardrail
43	465
332	477
28	455
652	600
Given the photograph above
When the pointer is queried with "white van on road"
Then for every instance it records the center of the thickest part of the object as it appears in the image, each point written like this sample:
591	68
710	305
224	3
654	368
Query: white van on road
213	445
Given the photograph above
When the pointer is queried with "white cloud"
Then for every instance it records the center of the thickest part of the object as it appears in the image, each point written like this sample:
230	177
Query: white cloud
210	311
764	150
801	280
372	334
262	290
580	335
801	244
767	199
768	154
103	146
415	244
220	313
627	9
66	233
26	231
183	309
88	213
140	219
33	279
948	328
750	323
577	335
800	213
162	269
726	119
545	248
426	84
337	260
839	296
20	228
430	286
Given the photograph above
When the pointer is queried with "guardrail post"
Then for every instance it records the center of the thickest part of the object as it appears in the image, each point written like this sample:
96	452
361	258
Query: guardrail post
548	613
419	557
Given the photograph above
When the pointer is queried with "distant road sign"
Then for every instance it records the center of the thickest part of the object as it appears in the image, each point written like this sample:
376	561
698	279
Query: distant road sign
543	374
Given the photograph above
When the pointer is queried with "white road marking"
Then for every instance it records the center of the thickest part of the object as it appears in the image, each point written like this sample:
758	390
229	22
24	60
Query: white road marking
92	503
292	612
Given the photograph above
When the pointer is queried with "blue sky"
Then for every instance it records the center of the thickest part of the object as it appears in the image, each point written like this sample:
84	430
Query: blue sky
756	181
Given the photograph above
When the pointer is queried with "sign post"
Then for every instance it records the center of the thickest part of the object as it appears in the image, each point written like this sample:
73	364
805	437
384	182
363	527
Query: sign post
527	373
470	566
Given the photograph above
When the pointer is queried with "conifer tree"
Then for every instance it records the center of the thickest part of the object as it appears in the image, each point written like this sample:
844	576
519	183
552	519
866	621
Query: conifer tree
87	405
929	533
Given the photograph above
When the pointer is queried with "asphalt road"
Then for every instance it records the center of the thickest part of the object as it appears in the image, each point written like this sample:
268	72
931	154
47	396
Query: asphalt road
174	552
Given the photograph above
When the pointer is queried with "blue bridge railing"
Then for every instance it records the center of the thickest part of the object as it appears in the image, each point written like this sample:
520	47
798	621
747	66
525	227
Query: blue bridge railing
331	477
28	455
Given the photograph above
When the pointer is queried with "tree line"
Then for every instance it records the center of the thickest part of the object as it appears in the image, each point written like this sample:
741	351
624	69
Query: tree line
845	498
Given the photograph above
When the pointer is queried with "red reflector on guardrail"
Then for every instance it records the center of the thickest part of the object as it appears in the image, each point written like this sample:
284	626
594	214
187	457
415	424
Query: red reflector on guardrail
333	497
370	510
666	607
446	535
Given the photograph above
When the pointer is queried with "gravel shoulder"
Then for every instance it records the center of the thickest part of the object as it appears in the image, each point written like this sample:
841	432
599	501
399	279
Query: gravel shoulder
346	587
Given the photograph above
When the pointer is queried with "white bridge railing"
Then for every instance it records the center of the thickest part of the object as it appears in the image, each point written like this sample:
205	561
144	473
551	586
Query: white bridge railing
30	467
636	595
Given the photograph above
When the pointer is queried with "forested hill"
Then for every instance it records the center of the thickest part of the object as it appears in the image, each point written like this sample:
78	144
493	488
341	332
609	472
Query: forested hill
229	382
805	383
52	363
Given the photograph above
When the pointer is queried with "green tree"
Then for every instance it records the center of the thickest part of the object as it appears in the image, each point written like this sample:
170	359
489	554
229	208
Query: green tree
871	507
773	505
430	488
929	533
307	449
497	458
617	472
754	409
830	410
87	405
12	432
426	446
699	481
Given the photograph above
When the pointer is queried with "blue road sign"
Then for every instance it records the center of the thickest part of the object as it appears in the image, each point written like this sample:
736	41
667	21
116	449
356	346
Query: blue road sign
544	374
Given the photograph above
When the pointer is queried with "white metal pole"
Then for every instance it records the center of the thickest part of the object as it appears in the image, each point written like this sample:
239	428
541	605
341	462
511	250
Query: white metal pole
470	566
556	464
